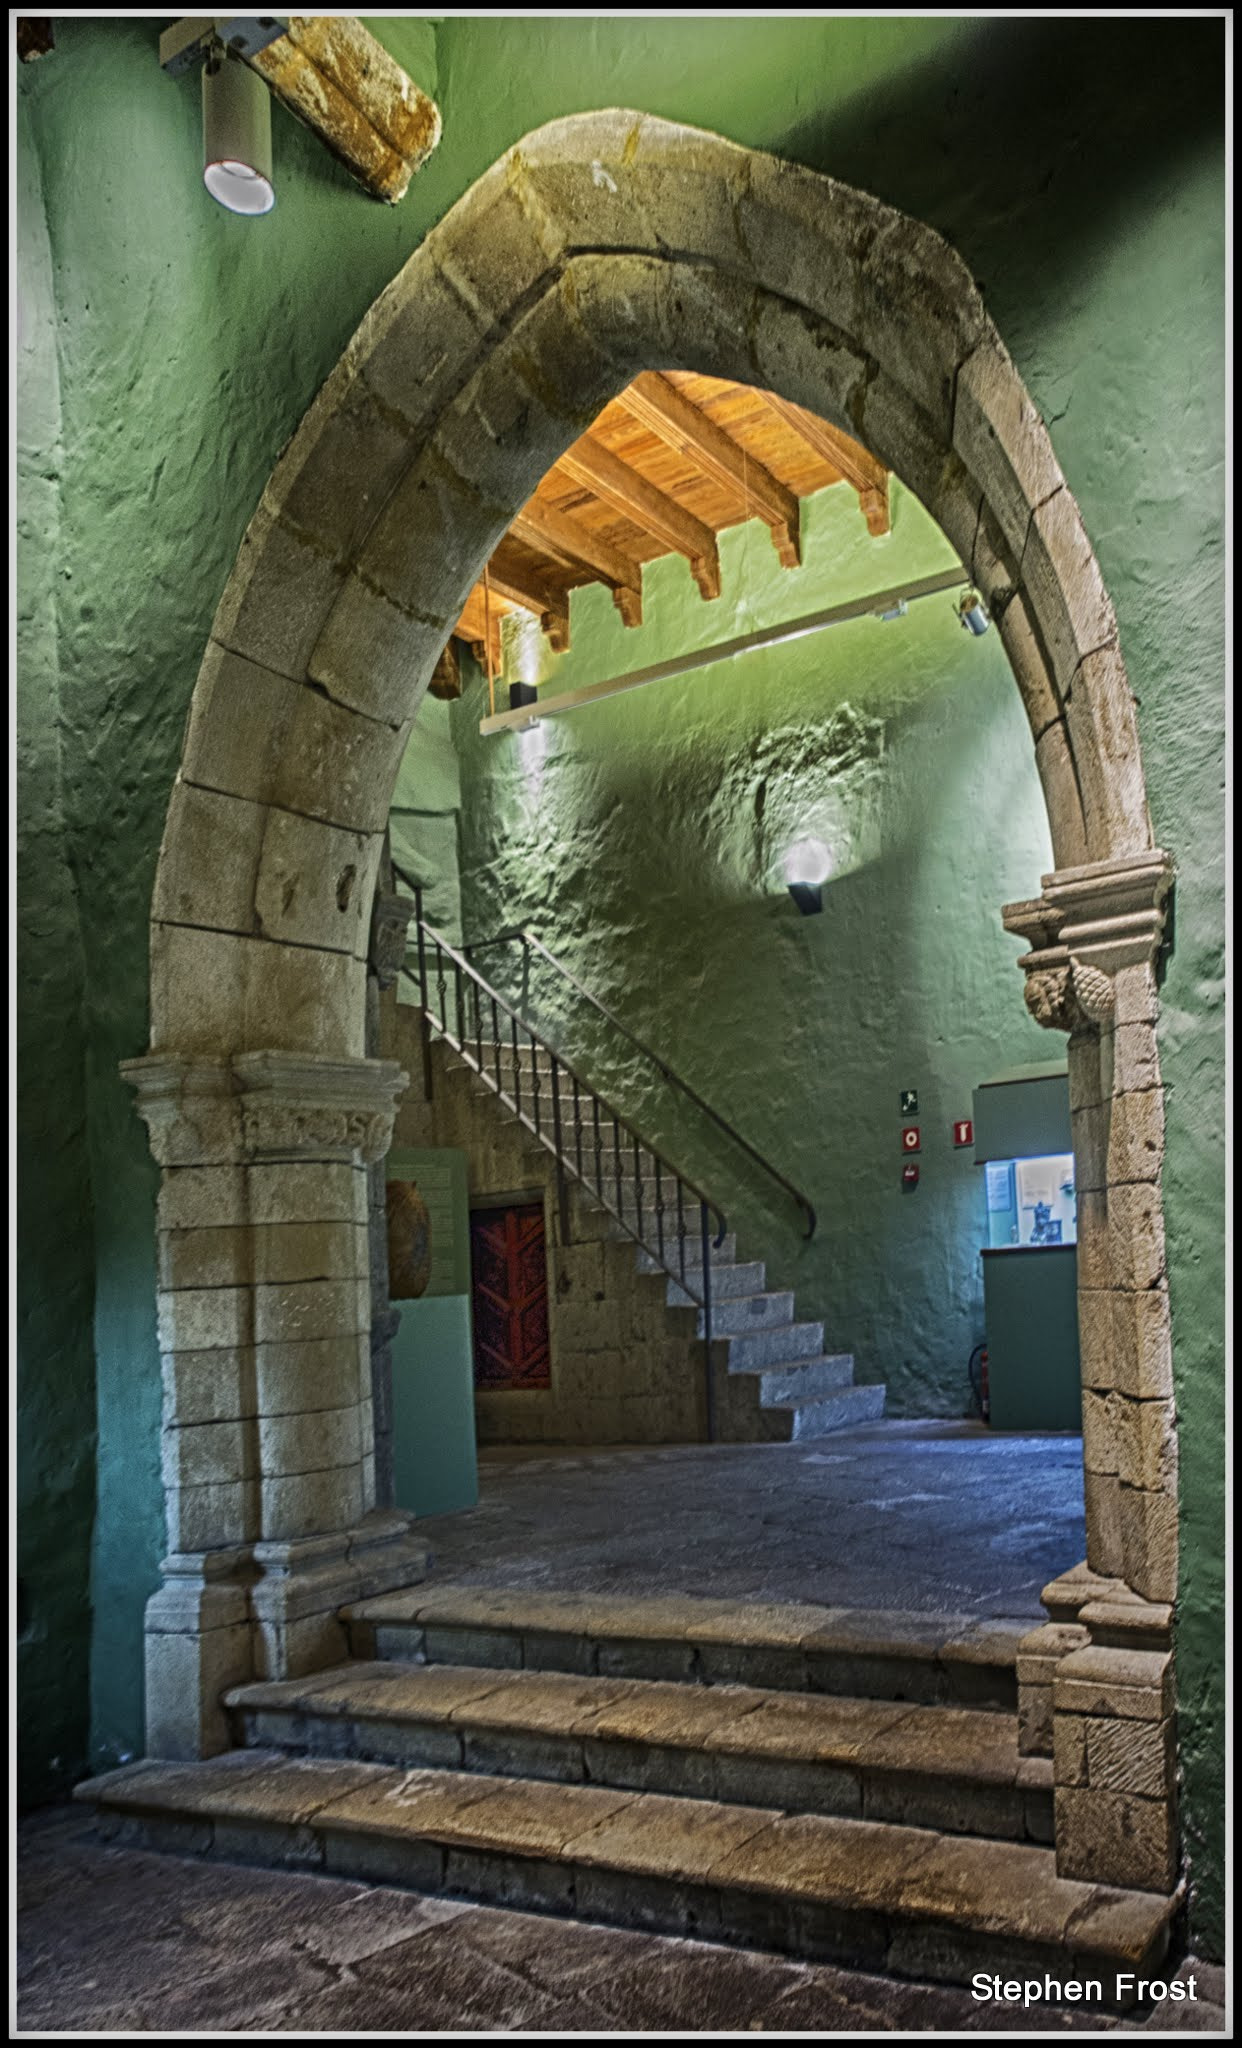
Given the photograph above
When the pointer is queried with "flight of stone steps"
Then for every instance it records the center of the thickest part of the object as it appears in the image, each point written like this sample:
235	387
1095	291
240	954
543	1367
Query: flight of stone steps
833	1785
778	1382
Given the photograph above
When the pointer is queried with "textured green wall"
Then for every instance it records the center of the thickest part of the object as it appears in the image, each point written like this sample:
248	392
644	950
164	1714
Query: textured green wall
643	838
55	1365
1076	164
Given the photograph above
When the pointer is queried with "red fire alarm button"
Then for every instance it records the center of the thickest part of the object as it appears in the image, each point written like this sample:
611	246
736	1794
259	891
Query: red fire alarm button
964	1134
910	1138
910	1175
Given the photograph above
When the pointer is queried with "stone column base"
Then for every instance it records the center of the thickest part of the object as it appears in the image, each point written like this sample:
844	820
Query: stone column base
261	1611
1113	1726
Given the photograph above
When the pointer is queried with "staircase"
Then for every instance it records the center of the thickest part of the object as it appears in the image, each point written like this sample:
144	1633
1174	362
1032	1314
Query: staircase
773	1379
836	1786
767	1377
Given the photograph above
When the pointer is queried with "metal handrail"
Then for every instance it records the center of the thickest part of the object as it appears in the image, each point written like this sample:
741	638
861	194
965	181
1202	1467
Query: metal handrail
674	1079
469	1047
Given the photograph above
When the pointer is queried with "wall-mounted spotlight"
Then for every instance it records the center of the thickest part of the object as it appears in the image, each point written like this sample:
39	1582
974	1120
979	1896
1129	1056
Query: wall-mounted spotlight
971	613
237	134
808	864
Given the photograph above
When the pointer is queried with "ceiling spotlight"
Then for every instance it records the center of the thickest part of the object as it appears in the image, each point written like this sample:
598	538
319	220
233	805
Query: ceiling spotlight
237	135
808	864
971	612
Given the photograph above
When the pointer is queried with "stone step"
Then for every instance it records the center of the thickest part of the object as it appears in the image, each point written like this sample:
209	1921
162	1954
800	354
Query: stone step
785	1345
842	1410
741	1314
868	1893
956	1769
727	1281
927	1659
793	1385
723	1255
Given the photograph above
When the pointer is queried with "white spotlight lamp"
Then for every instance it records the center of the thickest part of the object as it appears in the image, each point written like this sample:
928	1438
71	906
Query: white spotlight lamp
808	864
237	135
972	613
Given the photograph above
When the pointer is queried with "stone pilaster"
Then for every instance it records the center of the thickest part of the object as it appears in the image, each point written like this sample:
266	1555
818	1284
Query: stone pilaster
1096	935
264	1317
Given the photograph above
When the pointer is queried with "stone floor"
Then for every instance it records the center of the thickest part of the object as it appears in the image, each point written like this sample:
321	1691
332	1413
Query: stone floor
932	1516
124	1941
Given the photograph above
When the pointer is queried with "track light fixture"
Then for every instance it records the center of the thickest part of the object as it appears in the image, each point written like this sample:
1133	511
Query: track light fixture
972	613
237	134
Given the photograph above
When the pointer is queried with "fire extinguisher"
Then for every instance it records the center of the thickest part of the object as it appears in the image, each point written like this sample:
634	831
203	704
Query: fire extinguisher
979	1387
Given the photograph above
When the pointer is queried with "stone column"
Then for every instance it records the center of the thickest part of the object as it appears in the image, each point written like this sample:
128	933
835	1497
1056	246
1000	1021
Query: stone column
264	1318
1095	1685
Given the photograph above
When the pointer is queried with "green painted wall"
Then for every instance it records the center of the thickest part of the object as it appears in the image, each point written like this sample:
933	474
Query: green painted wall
55	1363
643	839
1076	164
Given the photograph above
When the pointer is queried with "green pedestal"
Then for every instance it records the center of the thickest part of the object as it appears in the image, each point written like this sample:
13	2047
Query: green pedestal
434	1466
1030	1303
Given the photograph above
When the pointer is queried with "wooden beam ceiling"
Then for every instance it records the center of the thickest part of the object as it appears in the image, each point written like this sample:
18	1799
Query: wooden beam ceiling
660	406
672	462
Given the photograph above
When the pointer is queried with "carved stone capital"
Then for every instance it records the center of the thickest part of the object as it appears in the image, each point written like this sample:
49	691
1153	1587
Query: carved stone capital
310	1106
390	922
188	1107
265	1106
1089	924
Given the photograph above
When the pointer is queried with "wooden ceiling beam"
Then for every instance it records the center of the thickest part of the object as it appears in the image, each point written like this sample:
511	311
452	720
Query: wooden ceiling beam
541	526
596	469
664	410
470	627
856	464
526	588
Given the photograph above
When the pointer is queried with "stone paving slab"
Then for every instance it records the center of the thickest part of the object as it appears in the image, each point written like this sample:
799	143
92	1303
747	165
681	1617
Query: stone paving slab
908	1516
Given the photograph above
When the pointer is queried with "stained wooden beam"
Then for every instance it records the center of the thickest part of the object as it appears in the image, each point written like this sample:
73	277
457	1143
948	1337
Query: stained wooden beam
662	409
523	585
856	464
595	467
333	75
541	526
470	627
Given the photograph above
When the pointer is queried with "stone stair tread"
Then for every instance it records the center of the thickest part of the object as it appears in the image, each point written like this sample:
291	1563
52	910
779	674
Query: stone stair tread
1001	1890
683	1617
745	1721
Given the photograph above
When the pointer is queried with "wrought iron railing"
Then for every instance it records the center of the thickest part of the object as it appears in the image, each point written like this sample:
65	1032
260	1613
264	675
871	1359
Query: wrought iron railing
531	943
656	1204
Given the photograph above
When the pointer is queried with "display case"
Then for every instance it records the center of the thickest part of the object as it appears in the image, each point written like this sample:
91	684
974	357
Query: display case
1031	1202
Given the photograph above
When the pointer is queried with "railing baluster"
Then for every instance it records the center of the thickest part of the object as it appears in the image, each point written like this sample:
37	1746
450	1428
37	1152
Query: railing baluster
536	1083
496	1044
709	1383
562	1185
616	1158
517	1066
599	1149
659	1207
423	992
638	1187
577	1127
681	1232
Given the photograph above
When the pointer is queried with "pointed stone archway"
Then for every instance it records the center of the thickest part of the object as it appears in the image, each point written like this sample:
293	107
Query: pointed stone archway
599	247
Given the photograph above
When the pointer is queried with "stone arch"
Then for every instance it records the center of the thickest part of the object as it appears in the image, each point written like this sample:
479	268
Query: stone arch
600	246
